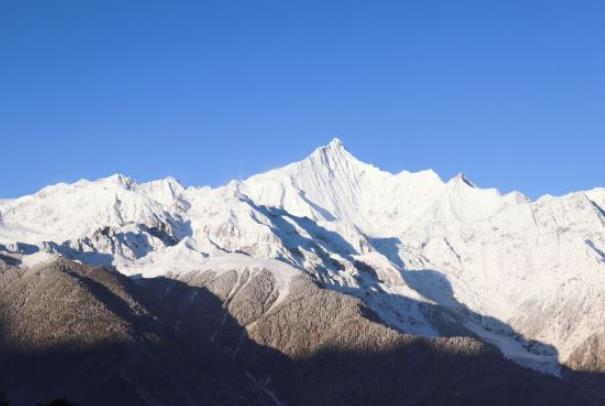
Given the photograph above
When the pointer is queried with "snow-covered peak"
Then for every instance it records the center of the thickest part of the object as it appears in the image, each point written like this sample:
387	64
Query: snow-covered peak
326	185
333	158
336	143
70	211
164	190
388	238
335	146
118	180
461	179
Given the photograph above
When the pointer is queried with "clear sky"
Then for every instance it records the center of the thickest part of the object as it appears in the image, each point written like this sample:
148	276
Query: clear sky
512	93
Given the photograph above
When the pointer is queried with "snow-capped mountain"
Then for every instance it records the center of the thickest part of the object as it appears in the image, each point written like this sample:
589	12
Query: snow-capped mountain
430	257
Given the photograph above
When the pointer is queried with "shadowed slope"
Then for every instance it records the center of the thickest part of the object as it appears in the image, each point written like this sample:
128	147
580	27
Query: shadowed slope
76	331
320	347
95	337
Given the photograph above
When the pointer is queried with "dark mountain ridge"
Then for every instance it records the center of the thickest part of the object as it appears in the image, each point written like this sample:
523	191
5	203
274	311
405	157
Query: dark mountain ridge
96	337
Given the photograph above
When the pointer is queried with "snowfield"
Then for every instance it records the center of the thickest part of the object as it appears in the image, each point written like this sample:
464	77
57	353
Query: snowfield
430	257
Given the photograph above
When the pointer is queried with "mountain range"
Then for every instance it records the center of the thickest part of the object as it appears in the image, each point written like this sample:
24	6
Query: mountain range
327	281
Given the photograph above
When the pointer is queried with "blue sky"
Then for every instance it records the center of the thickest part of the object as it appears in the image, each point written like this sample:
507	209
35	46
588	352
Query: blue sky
512	93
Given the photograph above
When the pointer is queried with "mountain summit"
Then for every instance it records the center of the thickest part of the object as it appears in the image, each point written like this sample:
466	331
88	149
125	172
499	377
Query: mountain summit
427	257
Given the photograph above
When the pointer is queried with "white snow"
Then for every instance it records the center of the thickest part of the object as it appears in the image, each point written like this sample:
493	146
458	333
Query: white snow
475	251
